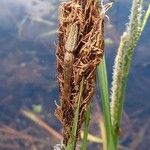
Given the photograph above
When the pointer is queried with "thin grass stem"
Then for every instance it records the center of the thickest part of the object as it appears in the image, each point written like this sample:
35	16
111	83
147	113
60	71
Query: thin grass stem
73	139
86	127
146	16
103	83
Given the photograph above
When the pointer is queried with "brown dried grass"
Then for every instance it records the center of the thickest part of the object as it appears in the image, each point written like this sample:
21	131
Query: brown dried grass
80	49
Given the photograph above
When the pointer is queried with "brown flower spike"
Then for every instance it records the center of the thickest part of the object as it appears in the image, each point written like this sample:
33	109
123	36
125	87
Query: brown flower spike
80	49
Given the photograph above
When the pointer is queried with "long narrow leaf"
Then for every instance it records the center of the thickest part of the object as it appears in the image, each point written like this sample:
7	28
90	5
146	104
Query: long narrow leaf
72	142
146	16
86	127
103	83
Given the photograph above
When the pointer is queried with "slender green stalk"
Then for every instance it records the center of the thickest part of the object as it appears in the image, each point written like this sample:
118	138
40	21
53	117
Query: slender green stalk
86	127
147	15
103	83
72	142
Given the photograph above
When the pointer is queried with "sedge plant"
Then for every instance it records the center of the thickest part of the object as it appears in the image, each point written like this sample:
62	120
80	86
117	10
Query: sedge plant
112	104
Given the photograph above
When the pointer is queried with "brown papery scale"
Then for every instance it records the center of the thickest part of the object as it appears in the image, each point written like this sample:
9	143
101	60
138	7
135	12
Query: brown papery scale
79	50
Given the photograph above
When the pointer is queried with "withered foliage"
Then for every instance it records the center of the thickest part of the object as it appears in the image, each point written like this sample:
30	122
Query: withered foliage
80	49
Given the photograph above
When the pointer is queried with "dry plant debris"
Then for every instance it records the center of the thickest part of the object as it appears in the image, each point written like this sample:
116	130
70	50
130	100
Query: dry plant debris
80	49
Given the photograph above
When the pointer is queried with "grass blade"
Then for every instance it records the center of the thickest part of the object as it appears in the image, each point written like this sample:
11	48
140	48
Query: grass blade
146	16
86	127
103	83
72	142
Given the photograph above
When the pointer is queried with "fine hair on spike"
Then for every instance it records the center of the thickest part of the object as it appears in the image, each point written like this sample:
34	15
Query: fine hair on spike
59	147
105	8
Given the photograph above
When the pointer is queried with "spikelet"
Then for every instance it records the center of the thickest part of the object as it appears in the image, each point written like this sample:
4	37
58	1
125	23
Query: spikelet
80	49
122	62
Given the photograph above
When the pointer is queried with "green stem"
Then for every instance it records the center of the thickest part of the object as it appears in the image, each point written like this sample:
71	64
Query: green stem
86	127
103	83
146	16
73	139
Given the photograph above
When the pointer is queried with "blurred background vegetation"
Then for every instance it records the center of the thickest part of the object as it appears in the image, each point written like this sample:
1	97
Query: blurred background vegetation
28	87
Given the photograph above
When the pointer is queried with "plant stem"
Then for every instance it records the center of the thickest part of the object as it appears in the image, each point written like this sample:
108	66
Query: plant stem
146	16
86	127
103	83
73	139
